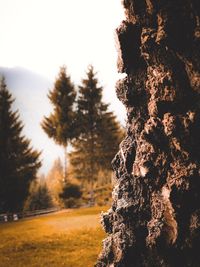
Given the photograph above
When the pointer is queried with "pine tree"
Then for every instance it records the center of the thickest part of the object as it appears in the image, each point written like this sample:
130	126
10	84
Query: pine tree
99	132
18	161
60	125
111	134
39	197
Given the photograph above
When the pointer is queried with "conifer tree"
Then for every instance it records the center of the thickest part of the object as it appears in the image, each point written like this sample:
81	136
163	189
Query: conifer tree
60	125
99	132
39	197
18	161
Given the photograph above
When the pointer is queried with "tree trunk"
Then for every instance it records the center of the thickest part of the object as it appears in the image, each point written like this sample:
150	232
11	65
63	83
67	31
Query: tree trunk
65	165
154	220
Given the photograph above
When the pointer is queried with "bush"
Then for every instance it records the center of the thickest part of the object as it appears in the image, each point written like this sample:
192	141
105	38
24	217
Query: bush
39	198
71	195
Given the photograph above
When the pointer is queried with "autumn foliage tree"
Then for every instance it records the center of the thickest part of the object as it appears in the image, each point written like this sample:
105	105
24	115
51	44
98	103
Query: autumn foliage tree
55	181
19	162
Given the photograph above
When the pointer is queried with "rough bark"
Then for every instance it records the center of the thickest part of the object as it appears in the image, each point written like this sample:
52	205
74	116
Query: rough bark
154	220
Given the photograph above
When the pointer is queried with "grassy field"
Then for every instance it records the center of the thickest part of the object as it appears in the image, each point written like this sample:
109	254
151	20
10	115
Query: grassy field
67	238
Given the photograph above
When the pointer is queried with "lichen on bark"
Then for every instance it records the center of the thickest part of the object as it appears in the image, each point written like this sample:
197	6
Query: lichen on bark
154	220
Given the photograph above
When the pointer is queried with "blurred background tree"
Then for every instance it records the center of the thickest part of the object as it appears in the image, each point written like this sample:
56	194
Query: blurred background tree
19	162
84	121
55	183
71	195
39	196
99	133
60	125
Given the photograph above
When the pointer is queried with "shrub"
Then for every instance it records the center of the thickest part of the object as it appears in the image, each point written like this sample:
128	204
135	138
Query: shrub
71	195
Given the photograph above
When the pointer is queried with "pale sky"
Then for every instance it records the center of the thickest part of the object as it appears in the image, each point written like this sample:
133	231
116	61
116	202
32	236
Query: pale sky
42	35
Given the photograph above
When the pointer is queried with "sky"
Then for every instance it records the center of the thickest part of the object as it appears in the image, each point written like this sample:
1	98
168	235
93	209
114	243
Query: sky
42	35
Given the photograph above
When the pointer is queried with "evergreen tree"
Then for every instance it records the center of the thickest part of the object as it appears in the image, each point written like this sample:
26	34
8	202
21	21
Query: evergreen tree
18	161
111	134
60	125
99	132
39	197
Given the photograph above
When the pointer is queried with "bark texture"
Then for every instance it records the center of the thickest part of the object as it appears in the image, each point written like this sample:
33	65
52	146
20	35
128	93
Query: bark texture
154	220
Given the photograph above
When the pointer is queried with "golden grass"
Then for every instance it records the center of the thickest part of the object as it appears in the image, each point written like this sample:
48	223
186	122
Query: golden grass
69	239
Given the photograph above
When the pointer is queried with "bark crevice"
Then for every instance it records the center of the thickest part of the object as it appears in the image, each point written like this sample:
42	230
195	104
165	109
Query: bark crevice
154	220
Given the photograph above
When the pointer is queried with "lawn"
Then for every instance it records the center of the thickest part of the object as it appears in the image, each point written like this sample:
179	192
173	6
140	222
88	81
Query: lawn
66	238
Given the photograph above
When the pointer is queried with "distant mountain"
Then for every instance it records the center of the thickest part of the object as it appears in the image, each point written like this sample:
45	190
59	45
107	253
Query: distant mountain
19	78
30	89
30	92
